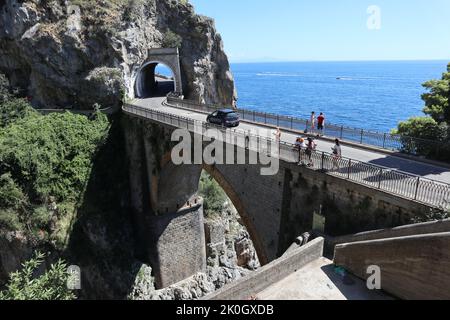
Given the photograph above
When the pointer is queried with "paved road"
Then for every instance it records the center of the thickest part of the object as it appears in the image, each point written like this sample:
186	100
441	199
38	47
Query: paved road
422	169
319	281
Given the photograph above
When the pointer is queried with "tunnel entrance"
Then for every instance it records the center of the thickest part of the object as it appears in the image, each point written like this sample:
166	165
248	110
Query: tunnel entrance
155	79
159	74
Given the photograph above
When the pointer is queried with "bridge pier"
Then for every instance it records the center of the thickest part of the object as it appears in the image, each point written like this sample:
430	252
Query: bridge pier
177	244
167	214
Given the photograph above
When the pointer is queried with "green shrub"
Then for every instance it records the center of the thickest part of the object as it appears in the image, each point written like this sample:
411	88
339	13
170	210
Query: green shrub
40	217
213	195
14	109
435	126
172	40
51	155
425	128
4	88
9	220
23	285
11	196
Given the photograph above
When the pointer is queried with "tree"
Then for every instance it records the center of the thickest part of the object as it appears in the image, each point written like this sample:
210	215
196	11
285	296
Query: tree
52	285
434	128
425	131
437	99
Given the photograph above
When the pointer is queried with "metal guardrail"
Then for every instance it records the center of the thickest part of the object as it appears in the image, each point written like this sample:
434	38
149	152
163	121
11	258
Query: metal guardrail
402	184
409	145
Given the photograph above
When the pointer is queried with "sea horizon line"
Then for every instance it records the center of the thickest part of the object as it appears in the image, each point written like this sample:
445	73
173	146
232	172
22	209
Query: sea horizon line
336	61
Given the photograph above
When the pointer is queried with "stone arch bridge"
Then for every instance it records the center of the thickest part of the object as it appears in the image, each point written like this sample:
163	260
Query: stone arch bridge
275	208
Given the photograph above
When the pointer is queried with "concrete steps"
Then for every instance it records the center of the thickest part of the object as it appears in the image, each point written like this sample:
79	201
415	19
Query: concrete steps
320	280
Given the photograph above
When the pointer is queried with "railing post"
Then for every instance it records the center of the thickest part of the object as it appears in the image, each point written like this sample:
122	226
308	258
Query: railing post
342	132
384	141
380	176
416	194
307	126
265	118
278	120
323	161
362	134
349	168
254	117
292	123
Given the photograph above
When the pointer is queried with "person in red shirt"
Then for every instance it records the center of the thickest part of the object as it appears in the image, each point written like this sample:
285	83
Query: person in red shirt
321	123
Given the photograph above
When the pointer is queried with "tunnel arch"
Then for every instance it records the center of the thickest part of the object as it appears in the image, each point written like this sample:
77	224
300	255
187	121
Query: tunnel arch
146	85
145	75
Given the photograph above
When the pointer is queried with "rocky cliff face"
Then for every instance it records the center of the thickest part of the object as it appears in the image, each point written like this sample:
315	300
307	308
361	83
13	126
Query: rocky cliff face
64	55
75	54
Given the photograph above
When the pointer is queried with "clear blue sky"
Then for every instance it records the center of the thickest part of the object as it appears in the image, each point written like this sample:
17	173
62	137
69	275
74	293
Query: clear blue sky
304	30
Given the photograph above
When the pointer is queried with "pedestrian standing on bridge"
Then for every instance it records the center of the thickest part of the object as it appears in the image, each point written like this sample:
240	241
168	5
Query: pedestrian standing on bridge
337	154
278	138
313	121
300	147
310	148
320	124
278	135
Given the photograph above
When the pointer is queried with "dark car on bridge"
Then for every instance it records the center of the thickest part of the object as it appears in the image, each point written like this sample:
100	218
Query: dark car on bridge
224	117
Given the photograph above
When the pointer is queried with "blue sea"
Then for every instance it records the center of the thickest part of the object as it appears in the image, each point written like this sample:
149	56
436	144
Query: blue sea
370	95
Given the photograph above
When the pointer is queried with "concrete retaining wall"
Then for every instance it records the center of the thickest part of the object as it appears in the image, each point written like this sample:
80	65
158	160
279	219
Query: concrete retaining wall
414	267
348	207
270	273
403	231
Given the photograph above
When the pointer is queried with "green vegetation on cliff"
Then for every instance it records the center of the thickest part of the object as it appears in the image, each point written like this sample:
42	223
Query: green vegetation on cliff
63	190
435	126
45	163
213	195
52	285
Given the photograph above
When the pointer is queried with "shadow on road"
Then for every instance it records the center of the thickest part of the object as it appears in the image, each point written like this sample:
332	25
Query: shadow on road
410	166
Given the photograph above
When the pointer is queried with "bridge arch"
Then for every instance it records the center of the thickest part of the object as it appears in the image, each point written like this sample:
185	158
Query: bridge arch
239	205
145	84
188	178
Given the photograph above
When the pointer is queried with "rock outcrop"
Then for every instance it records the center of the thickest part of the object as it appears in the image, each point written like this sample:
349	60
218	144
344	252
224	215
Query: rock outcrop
62	55
14	249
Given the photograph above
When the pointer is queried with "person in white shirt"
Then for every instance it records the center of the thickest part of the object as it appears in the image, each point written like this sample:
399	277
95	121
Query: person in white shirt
337	154
312	121
277	135
300	146
310	148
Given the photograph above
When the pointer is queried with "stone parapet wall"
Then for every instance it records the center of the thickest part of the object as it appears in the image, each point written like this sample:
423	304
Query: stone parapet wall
270	273
413	267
